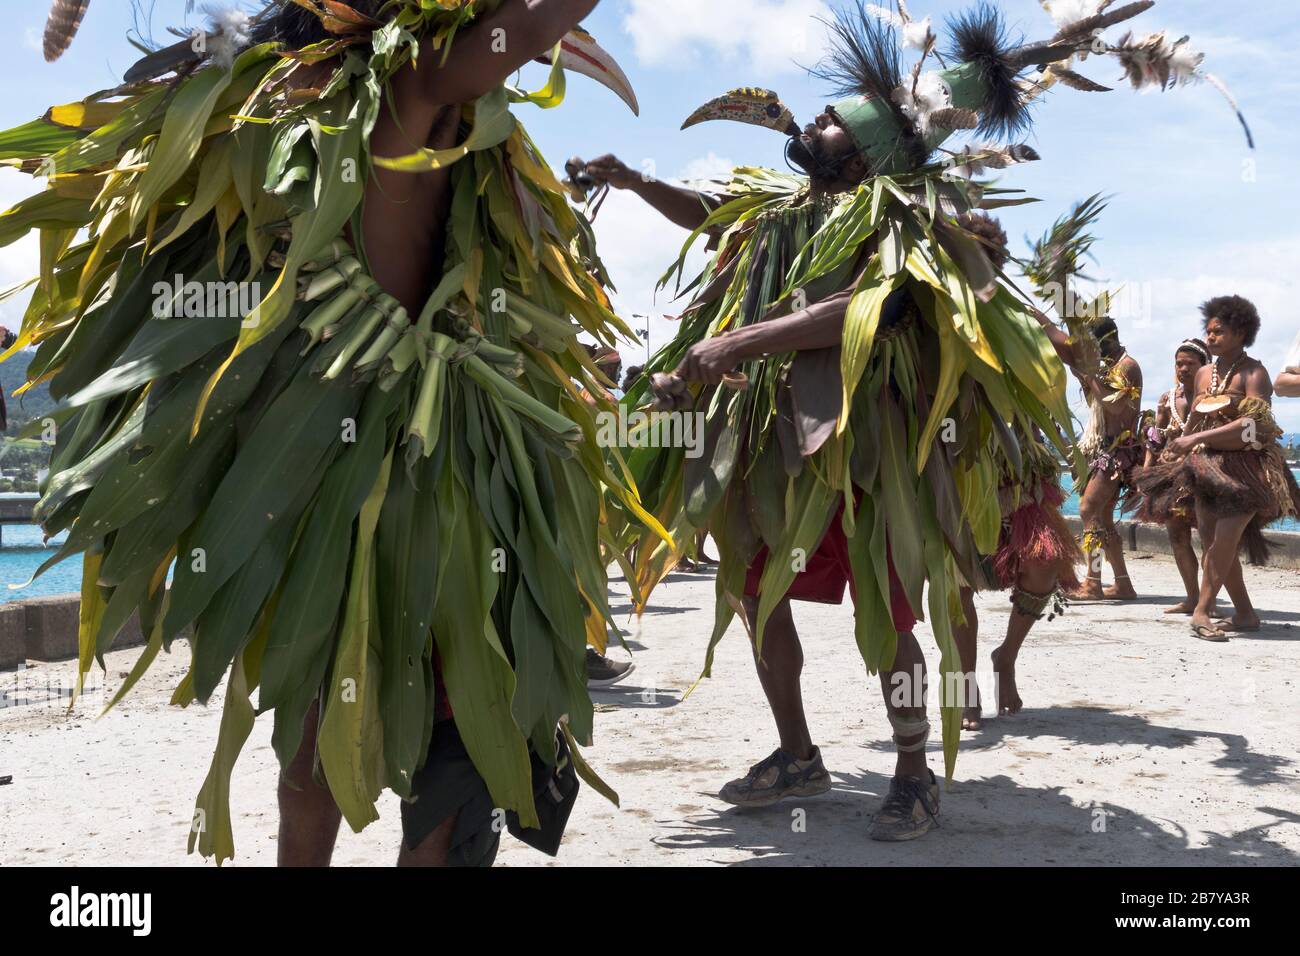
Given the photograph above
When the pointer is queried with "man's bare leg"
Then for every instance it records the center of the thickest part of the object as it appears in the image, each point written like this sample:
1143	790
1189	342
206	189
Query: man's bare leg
1180	542
309	818
796	769
433	851
1097	510
912	806
1122	589
966	637
905	702
779	671
1034	589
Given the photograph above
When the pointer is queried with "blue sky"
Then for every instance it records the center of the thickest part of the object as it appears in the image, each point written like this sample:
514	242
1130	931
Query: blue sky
1194	213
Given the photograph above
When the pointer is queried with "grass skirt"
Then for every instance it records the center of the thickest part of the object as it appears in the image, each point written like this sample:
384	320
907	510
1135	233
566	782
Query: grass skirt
1173	499
1036	531
1230	483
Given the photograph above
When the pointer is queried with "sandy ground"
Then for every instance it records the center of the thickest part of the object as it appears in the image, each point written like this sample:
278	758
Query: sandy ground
1138	745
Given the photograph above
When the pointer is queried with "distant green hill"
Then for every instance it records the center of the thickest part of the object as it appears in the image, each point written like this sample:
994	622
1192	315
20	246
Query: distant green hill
33	404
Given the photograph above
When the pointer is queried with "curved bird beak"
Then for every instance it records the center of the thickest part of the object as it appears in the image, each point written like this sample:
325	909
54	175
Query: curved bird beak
750	105
580	53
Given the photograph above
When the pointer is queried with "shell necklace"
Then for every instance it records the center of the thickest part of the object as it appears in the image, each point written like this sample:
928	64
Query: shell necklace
1215	399
1179	423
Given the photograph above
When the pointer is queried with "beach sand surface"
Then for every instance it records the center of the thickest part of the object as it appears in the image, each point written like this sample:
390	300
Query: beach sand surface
1138	745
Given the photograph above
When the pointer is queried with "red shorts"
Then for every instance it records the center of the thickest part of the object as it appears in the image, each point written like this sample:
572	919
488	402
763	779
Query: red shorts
828	571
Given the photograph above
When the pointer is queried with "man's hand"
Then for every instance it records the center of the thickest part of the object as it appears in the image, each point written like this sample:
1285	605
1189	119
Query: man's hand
609	169
1182	447
709	361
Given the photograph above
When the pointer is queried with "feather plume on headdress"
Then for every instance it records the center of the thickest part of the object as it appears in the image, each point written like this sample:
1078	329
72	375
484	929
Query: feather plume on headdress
916	34
865	60
1154	60
979	36
62	25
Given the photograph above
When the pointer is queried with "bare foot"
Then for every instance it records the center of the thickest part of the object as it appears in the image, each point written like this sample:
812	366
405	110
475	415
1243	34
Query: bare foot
1088	591
972	717
1009	701
1120	592
1183	607
1241	622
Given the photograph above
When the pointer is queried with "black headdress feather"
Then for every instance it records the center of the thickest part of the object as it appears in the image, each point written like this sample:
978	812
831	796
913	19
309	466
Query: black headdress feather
865	60
297	27
979	36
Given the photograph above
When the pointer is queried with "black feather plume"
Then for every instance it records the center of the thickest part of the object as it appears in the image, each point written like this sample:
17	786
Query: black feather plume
979	36
865	60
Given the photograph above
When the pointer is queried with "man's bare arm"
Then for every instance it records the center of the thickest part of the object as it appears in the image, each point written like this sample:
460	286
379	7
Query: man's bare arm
1060	341
486	54
819	326
680	206
1288	384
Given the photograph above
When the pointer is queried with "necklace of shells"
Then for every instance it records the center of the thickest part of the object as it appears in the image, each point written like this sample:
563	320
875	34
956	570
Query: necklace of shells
1216	400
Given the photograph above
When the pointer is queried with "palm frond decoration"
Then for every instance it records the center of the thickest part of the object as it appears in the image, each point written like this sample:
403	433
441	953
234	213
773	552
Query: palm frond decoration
1056	259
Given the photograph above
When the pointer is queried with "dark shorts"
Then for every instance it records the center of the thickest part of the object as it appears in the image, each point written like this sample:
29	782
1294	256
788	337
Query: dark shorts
828	572
447	786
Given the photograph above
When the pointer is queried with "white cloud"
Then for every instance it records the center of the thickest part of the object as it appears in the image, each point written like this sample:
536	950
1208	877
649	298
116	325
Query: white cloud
32	40
638	245
21	260
772	36
706	168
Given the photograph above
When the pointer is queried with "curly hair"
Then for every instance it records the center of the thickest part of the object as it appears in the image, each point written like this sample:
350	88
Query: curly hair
1238	314
992	237
1107	333
297	27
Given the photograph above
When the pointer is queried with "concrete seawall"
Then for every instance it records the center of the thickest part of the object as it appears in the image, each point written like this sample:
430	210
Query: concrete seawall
45	629
1152	539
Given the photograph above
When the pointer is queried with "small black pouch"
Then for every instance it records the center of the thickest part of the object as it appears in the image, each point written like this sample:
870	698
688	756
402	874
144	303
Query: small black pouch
555	791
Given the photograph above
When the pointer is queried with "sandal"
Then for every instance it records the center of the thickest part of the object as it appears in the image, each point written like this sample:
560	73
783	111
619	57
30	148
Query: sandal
779	776
1211	634
1227	627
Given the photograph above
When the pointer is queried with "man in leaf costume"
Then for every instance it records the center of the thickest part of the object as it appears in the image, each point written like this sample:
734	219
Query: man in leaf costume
881	361
376	481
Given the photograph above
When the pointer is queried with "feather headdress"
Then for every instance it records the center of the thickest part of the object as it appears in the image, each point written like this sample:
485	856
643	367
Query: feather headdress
62	25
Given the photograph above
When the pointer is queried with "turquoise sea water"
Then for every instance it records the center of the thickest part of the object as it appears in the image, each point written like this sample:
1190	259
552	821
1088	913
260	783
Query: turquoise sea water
24	551
1071	507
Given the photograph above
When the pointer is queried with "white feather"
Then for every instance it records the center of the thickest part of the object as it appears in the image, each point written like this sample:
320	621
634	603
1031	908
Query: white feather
916	34
884	16
228	32
1066	13
1184	64
931	94
971	167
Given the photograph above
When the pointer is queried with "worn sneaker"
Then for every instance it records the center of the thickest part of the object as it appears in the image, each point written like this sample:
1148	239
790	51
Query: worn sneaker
602	672
910	810
779	776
